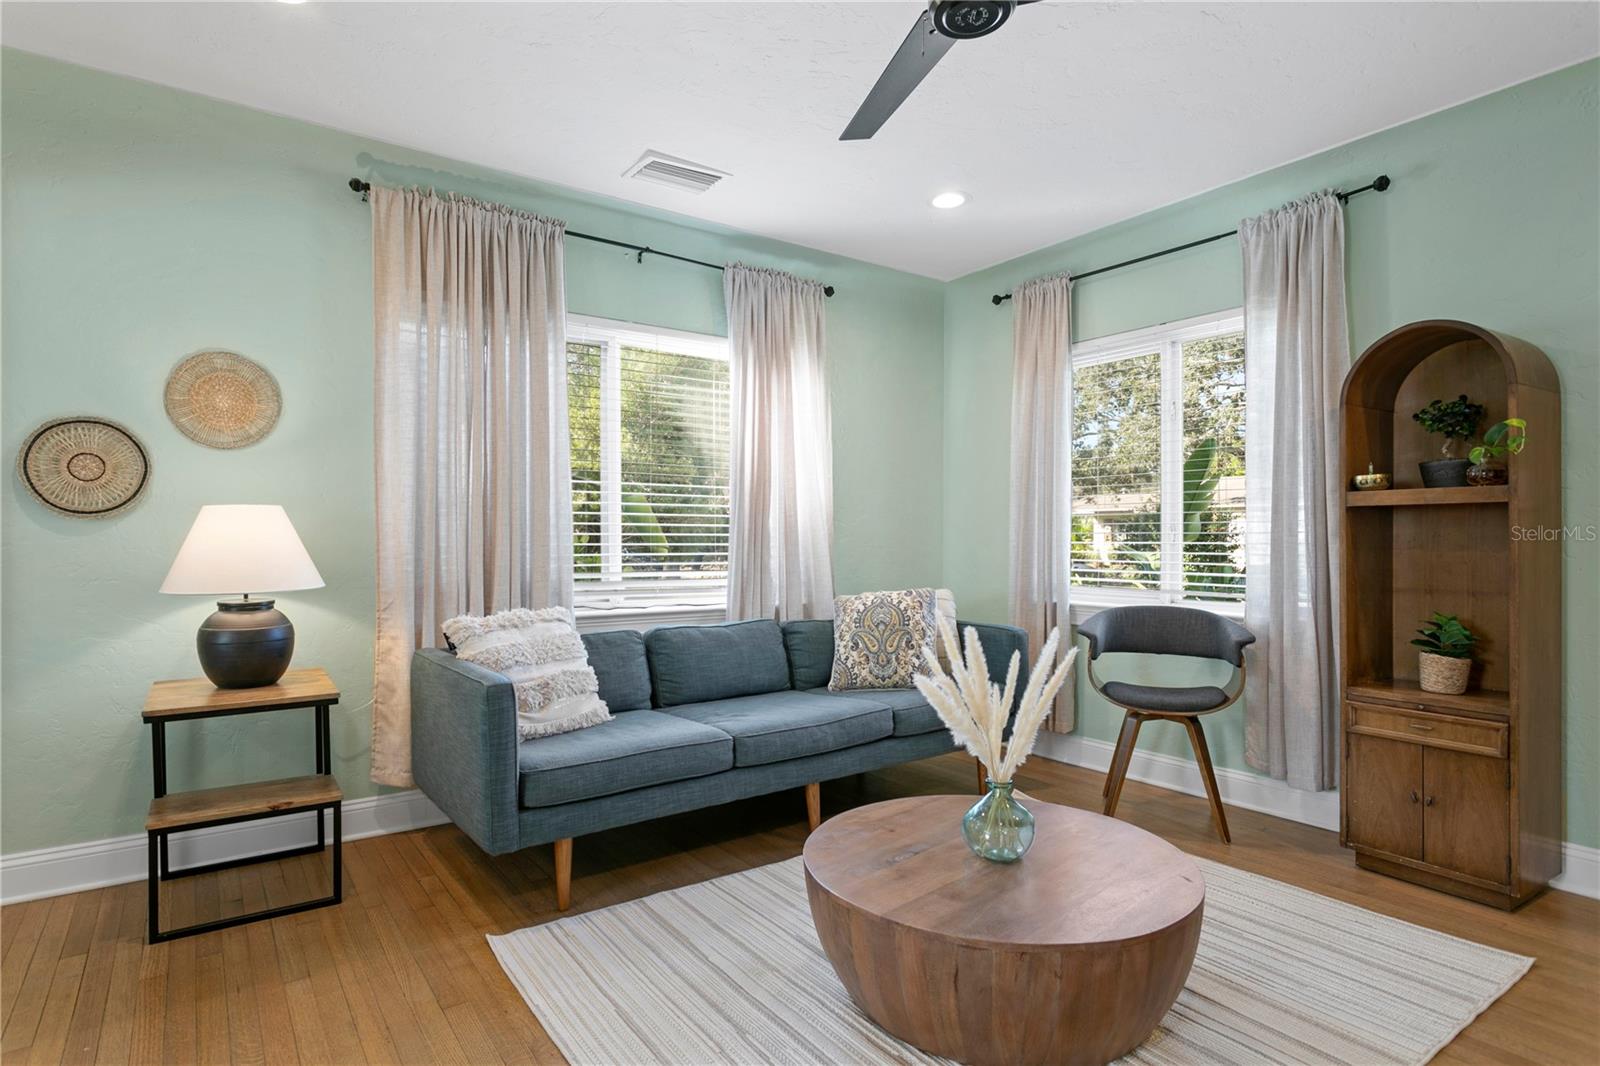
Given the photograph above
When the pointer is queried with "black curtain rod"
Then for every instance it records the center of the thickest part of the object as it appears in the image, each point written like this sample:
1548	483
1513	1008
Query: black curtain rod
363	187
1379	184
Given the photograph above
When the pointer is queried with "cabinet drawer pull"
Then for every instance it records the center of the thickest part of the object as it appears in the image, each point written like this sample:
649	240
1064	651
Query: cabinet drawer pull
1423	727
1414	796
1428	802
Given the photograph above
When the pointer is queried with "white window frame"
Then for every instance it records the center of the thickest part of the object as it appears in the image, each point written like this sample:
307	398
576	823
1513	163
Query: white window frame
608	604
1168	338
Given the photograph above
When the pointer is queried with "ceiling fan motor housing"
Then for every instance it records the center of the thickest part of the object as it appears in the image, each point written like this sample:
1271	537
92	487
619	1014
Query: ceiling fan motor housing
964	19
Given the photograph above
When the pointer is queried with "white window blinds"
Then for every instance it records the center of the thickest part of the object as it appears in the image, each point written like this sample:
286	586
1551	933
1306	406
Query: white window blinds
649	420
1158	463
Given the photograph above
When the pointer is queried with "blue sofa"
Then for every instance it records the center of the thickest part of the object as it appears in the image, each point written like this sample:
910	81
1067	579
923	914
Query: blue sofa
703	715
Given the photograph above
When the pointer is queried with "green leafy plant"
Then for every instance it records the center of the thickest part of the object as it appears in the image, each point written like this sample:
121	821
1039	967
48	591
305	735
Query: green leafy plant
1444	635
1453	419
1502	439
1201	475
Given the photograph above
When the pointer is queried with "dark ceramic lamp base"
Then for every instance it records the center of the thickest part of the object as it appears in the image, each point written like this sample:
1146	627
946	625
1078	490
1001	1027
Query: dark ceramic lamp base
245	644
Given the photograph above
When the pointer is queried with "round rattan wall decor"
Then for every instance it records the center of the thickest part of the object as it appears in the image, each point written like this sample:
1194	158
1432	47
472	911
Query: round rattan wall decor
83	467
222	400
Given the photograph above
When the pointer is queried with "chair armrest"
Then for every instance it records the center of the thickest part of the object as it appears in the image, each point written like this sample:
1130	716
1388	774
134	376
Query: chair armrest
1093	630
999	642
1240	638
464	746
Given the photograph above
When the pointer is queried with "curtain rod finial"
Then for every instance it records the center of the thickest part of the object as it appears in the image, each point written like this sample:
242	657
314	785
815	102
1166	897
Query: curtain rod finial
1381	182
827	290
997	299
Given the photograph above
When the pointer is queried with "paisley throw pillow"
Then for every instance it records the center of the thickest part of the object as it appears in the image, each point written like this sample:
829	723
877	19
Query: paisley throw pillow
878	638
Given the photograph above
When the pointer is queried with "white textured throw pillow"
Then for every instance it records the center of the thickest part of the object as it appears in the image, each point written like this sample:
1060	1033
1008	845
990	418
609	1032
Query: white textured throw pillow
542	656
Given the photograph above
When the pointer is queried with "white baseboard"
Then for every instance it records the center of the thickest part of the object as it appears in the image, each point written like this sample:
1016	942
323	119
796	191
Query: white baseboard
1580	871
1240	788
76	867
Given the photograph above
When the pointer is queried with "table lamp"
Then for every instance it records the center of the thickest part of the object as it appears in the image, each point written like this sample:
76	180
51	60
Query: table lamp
243	549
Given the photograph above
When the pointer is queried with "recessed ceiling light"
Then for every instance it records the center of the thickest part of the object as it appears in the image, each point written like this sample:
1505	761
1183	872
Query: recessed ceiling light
291	1
946	200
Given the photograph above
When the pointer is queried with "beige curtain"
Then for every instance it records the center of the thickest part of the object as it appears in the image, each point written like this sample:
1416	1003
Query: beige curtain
473	470
1297	350
1041	468
780	537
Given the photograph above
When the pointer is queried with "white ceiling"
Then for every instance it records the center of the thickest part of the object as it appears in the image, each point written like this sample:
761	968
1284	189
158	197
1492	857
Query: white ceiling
1072	116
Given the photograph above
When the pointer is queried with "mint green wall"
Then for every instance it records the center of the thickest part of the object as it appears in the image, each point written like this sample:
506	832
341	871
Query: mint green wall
142	224
1494	217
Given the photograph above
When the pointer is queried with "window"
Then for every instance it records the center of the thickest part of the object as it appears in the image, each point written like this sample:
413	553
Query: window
1158	464
649	418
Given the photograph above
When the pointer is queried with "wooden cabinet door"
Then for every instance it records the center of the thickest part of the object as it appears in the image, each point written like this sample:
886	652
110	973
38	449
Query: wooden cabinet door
1466	814
1384	807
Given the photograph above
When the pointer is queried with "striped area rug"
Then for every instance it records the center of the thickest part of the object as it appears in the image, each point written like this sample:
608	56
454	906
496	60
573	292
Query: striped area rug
730	971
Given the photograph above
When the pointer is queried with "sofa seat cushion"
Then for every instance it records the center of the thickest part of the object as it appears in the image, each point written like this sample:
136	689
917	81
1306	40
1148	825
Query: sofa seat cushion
635	749
912	715
777	726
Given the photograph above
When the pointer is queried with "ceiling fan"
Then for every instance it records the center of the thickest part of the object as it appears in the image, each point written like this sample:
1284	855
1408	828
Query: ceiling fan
936	29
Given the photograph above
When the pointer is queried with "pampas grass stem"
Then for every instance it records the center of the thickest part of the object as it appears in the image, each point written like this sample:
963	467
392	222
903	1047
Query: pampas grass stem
976	710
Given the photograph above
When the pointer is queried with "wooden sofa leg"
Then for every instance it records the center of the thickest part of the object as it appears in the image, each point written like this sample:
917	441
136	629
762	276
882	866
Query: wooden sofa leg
564	873
813	806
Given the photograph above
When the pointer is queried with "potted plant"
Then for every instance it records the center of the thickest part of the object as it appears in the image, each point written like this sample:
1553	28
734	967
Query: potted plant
1502	439
1446	656
1455	420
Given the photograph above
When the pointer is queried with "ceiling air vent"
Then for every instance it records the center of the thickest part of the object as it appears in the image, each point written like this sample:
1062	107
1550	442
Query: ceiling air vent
678	173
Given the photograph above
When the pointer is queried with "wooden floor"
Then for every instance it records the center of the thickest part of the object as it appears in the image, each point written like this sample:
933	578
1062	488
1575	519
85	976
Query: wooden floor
401	971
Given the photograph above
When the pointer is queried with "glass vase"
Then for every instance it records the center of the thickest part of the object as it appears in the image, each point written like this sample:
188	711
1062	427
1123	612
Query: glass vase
998	828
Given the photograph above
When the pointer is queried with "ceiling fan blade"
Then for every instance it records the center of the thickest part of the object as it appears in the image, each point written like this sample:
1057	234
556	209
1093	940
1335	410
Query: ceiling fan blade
918	54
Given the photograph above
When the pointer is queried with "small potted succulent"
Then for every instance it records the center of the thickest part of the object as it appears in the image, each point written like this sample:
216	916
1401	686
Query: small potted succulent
1455	420
1446	656
1502	439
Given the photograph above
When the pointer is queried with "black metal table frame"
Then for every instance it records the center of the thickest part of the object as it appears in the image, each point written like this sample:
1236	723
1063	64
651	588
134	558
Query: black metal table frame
160	870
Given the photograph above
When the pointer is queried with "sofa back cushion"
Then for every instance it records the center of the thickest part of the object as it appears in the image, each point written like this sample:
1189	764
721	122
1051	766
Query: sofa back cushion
696	664
618	658
809	643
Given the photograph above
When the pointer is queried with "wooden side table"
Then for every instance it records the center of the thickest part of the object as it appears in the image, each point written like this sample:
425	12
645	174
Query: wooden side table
177	701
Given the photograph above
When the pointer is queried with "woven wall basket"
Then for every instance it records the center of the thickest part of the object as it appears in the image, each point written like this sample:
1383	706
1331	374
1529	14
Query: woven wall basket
222	400
83	467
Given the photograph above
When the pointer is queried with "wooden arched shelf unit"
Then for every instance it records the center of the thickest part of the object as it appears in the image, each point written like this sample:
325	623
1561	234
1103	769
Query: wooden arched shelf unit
1460	793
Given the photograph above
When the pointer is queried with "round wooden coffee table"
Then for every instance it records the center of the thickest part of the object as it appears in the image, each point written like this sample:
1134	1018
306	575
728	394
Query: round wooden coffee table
1072	955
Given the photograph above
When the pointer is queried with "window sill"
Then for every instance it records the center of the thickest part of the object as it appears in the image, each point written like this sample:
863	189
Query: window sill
1082	607
641	616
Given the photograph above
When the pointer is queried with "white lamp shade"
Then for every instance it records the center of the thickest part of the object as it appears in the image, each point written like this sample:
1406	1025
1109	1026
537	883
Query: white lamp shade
240	548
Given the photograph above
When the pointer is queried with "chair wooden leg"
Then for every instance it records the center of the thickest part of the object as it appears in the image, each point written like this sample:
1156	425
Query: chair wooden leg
563	873
983	775
1116	757
1202	756
813	806
1126	742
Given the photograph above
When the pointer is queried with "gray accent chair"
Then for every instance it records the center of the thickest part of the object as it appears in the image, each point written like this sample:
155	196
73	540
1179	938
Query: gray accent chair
702	715
1162	630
